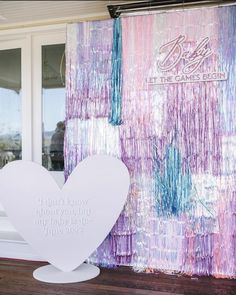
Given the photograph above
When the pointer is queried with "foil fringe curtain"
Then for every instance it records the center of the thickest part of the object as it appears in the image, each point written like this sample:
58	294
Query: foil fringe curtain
177	140
115	117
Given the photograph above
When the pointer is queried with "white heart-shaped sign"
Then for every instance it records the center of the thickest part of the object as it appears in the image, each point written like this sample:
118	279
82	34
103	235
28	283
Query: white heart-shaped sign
65	225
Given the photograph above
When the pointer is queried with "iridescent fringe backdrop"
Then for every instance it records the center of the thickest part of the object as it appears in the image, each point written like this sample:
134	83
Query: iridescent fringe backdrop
177	140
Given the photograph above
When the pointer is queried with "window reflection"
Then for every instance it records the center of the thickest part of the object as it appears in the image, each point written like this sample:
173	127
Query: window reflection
56	147
53	84
10	105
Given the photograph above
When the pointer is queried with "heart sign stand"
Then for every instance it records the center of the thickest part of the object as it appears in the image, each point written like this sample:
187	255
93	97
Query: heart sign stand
65	226
51	274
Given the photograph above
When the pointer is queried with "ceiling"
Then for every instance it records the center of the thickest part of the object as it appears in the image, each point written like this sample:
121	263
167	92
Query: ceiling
22	13
15	14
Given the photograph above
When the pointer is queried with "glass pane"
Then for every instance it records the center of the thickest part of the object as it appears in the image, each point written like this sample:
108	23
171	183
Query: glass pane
10	105
53	84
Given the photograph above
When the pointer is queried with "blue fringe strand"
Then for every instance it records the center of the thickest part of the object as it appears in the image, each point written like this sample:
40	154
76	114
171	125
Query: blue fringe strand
172	186
115	117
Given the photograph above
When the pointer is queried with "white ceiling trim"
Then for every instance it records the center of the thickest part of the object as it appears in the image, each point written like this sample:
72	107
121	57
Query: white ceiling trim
15	14
54	21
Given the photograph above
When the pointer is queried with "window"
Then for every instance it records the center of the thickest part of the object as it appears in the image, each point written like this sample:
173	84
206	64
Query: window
53	95
32	97
10	105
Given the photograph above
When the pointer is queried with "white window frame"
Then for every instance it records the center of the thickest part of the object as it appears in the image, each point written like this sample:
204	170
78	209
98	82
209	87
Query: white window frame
31	40
37	42
26	104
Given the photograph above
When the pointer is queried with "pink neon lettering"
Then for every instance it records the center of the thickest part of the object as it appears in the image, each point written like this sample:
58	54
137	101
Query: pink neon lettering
175	53
176	48
197	57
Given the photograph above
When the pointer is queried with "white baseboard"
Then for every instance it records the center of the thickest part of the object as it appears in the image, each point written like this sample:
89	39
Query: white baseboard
13	247
5	225
11	243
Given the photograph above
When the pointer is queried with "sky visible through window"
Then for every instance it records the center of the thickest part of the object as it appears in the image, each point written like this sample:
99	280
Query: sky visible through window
53	107
10	112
